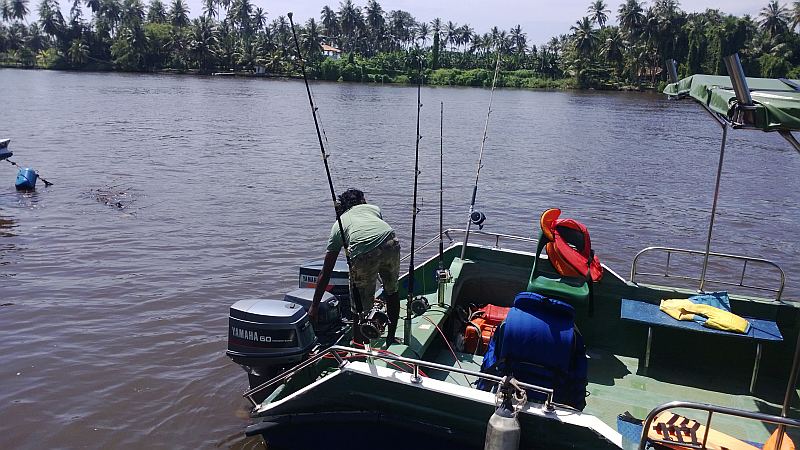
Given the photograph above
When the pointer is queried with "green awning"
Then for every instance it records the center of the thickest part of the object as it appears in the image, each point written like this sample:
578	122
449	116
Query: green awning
777	104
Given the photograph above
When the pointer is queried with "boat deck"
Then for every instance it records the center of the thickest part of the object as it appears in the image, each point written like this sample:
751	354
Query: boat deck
616	386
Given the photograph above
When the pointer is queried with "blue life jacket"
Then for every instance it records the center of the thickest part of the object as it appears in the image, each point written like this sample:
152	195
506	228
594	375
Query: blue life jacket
539	344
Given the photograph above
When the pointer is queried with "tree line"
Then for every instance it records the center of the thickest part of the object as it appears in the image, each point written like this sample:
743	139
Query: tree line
390	46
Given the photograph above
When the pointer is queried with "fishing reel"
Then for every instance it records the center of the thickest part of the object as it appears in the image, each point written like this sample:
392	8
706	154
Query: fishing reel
419	305
477	218
443	276
373	324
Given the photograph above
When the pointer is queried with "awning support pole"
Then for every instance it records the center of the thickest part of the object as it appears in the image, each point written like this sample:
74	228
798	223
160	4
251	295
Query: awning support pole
714	205
791	139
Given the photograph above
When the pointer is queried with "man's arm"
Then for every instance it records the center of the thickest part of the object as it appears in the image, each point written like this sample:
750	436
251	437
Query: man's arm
322	282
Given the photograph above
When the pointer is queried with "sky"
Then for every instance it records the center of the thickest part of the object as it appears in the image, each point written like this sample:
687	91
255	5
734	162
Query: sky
540	19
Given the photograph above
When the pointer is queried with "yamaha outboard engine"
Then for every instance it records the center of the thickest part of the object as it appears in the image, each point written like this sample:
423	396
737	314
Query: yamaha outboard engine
338	284
266	337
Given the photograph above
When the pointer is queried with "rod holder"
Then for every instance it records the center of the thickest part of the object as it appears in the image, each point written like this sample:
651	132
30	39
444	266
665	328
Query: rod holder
743	114
672	69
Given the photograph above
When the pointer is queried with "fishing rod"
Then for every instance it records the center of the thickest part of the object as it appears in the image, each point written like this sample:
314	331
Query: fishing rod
441	185
409	303
476	217
442	275
46	183
354	292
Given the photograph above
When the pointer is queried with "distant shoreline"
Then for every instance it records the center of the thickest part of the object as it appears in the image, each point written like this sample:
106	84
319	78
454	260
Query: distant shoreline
553	85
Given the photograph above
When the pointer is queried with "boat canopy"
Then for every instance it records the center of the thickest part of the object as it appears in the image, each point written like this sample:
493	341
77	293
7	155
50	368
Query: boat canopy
776	101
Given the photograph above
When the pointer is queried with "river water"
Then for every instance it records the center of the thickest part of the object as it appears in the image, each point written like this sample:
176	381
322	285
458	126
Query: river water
176	196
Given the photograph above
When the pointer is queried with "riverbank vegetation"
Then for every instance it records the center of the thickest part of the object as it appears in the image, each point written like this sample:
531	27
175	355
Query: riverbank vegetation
380	46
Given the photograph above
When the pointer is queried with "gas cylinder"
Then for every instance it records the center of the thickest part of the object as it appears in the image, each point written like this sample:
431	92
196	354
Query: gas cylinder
503	431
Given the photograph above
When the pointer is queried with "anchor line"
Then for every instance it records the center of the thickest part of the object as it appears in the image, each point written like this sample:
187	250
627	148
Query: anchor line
407	327
46	183
354	292
480	156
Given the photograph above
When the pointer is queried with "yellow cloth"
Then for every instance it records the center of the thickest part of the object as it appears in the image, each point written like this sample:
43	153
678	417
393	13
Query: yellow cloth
684	309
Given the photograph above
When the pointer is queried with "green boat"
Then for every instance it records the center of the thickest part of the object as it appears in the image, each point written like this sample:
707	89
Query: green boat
642	364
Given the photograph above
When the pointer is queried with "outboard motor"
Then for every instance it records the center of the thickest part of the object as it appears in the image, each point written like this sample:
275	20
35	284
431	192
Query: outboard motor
266	337
338	284
329	326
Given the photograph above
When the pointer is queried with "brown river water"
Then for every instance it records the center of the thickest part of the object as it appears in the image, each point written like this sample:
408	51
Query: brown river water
176	196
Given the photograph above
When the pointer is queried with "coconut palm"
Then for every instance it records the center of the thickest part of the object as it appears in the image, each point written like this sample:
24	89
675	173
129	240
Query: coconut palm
451	34
19	9
259	18
350	22
423	31
795	14
631	17
774	18
597	12
179	14
50	18
584	37
132	13
156	13
210	8
78	53
202	42
330	24
5	10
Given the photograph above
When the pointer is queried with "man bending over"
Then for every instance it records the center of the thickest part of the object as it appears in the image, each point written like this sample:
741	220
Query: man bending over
374	251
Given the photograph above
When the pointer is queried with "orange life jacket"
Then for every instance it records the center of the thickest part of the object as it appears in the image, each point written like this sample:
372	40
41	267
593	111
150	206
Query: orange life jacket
569	247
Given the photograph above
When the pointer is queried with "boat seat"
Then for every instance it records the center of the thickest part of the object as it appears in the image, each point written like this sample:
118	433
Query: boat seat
574	291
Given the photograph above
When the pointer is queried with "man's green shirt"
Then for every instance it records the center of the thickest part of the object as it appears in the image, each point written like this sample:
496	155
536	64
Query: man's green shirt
364	227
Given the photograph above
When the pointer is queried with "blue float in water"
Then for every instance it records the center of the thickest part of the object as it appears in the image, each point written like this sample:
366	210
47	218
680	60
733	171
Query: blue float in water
26	179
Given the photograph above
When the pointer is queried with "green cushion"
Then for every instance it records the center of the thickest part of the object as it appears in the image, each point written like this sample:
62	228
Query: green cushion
571	291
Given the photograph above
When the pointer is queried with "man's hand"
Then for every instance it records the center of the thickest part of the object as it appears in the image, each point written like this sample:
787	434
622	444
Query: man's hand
312	312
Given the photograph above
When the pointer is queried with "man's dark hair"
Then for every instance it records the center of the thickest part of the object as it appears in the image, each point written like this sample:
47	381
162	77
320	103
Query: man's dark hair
350	198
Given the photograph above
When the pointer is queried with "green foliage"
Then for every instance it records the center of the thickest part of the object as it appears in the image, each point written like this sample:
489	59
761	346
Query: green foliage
379	46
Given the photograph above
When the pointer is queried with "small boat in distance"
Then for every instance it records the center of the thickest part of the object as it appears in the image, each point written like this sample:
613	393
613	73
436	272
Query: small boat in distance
4	151
651	380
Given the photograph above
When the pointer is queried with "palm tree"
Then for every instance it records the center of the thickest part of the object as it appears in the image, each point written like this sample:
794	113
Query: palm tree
94	5
597	12
423	31
349	20
613	50
5	10
451	34
774	18
50	18
259	18
179	14
330	25
584	37
796	15
203	41
210	8
156	13
78	53
631	17
19	9
310	40
132	13
466	33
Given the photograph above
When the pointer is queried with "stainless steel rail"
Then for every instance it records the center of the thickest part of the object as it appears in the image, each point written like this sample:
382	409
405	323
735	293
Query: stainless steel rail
746	259
496	236
414	363
710	409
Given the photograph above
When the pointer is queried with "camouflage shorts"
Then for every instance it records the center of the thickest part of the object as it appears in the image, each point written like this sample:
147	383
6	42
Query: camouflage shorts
384	260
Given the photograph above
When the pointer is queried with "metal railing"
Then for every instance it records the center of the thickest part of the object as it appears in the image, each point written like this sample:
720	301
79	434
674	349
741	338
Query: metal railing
782	422
415	364
741	283
497	237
